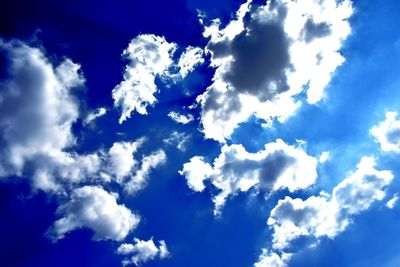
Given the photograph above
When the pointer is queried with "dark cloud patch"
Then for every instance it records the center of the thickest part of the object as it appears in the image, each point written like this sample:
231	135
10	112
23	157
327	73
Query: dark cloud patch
393	136
260	56
314	30
273	167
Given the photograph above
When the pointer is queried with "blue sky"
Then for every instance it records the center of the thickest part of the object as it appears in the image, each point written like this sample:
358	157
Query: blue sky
274	143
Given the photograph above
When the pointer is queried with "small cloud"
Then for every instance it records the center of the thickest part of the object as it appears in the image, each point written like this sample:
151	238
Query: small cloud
143	251
324	157
392	202
387	133
94	115
180	118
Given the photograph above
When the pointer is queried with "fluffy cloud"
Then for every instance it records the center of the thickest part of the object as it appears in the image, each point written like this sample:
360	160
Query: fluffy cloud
150	57
180	118
94	208
143	251
271	259
37	111
276	167
121	160
392	202
190	58
266	56
387	133
139	179
328	215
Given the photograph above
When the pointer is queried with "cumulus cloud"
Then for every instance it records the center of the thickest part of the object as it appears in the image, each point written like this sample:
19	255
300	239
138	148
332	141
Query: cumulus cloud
121	160
324	157
272	259
266	56
387	133
149	56
328	215
392	202
39	96
143	251
178	140
180	118
278	166
94	115
94	208
139	179
190	58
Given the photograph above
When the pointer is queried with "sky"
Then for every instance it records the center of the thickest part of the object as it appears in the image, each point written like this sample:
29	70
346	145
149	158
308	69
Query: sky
200	133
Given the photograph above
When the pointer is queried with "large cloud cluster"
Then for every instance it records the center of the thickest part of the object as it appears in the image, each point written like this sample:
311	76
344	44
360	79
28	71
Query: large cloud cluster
268	55
38	111
325	215
277	166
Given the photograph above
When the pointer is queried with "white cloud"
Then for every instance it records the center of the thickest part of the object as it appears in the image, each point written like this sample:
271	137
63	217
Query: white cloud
271	259
392	202
190	58
94	115
94	208
38	96
195	172
328	215
177	139
278	51
149	57
180	118
139	179
387	133
143	251
324	157
278	166
121	160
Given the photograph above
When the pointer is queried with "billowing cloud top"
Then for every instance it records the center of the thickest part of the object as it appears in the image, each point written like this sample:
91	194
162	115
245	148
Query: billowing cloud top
94	208
268	55
276	167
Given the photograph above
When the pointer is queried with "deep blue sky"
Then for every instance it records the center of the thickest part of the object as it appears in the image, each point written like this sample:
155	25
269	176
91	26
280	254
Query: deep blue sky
95	33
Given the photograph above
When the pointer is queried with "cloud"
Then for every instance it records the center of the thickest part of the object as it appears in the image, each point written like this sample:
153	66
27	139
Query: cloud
139	180
94	208
324	157
121	160
143	251
190	58
387	133
178	140
392	202
149	56
94	115
278	166
271	259
180	118
268	55
328	215
39	96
